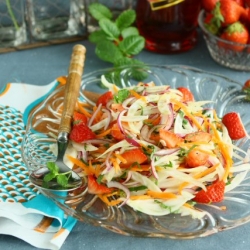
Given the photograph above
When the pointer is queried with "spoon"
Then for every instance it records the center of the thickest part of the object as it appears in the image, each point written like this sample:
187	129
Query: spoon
70	97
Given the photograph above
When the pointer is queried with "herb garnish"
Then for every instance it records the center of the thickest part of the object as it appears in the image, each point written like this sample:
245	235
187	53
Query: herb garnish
117	41
61	178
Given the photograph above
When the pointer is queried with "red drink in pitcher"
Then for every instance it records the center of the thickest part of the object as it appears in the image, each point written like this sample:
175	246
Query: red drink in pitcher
169	26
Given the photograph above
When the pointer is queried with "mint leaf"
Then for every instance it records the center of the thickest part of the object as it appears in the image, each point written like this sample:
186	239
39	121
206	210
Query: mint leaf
62	180
109	28
132	45
97	36
138	73
48	177
130	31
108	51
99	11
125	19
52	167
121	95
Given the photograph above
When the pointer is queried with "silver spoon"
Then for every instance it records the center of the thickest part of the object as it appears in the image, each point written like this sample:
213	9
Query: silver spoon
70	97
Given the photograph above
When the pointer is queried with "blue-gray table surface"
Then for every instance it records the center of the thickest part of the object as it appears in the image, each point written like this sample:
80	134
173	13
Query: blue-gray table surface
41	66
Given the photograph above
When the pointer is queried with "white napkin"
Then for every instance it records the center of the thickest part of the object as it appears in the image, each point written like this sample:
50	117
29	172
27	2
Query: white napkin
24	212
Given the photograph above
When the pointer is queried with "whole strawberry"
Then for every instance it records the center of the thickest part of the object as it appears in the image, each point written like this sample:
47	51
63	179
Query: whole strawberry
228	12
234	125
81	132
208	5
237	33
214	193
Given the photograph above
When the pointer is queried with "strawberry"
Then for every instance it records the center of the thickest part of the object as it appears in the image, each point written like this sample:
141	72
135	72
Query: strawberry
247	3
228	12
81	132
79	118
246	89
133	156
234	125
104	98
116	132
196	158
199	136
237	33
240	2
246	85
171	139
95	188
187	95
208	5
214	193
210	23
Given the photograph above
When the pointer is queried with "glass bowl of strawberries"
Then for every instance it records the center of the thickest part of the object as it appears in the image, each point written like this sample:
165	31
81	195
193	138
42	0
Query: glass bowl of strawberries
226	29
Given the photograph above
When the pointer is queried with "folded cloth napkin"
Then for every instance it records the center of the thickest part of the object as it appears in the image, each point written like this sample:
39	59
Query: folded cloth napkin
24	212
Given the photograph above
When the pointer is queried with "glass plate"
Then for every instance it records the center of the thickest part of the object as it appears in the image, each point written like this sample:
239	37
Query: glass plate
226	95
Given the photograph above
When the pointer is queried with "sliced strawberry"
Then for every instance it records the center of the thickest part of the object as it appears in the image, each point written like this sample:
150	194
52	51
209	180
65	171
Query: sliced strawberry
81	132
95	188
171	139
234	125
116	132
79	118
104	98
200	136
187	95
133	156
214	193
196	158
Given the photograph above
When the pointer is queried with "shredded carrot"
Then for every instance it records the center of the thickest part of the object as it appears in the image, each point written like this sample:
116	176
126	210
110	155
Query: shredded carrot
140	168
159	195
207	171
104	133
62	79
140	197
197	176
79	163
188	205
120	158
137	96
115	164
83	110
105	199
185	110
225	153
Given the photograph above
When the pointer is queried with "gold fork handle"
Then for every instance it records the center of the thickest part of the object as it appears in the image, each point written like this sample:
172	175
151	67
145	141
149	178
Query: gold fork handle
72	87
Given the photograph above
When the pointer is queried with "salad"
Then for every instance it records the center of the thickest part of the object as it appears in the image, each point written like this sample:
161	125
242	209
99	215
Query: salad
155	149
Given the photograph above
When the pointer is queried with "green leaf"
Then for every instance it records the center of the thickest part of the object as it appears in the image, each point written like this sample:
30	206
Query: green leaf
132	45
99	11
62	180
138	73
97	36
109	28
121	95
52	167
107	51
48	177
125	19
130	31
